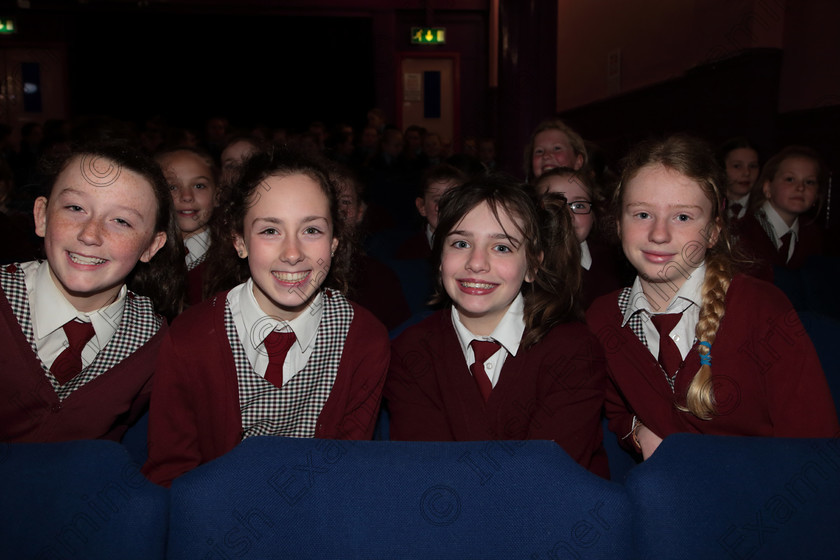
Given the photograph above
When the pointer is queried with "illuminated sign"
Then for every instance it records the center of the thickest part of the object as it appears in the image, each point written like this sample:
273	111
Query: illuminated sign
7	26
428	35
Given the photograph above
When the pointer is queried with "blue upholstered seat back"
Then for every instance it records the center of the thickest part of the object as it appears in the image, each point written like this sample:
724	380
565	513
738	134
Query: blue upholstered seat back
286	498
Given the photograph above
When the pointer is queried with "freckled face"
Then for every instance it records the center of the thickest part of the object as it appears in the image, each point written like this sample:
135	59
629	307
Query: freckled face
665	225
96	231
288	240
483	266
553	149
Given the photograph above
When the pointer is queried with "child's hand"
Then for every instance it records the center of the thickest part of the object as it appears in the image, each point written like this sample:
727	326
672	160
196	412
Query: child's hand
648	441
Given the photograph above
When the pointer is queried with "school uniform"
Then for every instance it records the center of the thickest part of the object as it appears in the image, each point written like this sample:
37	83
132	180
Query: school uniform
112	390
211	392
766	375
377	288
196	249
553	390
736	209
600	274
760	236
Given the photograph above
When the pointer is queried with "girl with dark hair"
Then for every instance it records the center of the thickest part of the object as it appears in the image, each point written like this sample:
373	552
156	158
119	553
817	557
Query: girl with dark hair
279	351
508	357
79	344
692	346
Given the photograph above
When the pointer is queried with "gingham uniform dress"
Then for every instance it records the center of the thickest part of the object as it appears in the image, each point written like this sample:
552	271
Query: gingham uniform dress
293	409
139	324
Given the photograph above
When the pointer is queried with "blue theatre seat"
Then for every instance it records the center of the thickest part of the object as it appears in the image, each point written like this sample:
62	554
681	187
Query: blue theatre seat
735	497
78	499
307	498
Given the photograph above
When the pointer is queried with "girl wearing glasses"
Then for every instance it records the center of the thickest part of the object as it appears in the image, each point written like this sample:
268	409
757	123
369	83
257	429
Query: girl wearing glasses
597	259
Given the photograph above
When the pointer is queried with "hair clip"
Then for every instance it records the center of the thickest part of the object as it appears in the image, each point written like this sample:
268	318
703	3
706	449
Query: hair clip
706	359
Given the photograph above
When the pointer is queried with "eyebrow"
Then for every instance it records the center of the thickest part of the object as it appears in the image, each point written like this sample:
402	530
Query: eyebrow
685	206
273	220
127	209
500	235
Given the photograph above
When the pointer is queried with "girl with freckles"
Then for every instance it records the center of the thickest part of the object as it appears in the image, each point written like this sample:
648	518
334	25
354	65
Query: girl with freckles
278	350
508	358
693	346
78	340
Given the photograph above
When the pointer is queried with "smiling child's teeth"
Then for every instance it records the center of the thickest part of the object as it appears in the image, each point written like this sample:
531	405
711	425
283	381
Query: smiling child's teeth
290	276
478	285
79	259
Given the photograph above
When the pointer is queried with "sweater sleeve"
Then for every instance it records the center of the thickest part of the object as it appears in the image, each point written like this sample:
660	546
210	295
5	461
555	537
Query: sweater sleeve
173	432
353	406
571	398
412	393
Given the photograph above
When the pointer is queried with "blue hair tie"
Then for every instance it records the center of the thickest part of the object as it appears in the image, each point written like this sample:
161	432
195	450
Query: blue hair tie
706	359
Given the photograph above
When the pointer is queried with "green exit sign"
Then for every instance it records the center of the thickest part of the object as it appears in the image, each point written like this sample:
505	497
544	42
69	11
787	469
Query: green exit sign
428	35
7	25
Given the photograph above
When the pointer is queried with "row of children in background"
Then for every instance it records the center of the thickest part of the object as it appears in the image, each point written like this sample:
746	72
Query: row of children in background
275	348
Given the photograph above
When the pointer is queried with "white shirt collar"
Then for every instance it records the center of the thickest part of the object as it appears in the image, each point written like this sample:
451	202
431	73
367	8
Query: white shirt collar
197	246
690	293
779	226
259	325
508	332
430	235
585	255
50	310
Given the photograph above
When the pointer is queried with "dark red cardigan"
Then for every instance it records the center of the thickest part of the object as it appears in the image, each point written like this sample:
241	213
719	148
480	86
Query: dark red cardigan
195	415
766	374
103	408
553	390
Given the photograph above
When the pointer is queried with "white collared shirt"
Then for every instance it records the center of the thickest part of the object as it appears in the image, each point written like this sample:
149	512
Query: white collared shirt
585	255
508	333
780	228
50	310
430	235
197	246
253	326
687	301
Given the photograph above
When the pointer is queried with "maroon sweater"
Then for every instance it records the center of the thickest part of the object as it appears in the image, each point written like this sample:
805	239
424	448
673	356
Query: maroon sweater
553	390
195	414
758	246
766	374
30	410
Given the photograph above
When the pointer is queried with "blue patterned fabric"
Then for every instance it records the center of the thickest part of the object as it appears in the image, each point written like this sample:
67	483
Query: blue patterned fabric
78	499
702	496
306	498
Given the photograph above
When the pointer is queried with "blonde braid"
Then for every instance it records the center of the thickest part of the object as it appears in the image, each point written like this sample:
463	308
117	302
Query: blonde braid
700	398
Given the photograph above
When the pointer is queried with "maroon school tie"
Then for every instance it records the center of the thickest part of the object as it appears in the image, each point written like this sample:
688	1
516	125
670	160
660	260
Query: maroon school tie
669	355
784	250
68	364
277	345
483	349
735	209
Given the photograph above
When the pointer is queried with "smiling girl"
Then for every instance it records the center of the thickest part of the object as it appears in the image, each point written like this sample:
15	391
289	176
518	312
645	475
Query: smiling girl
280	353
193	180
507	359
78	345
691	346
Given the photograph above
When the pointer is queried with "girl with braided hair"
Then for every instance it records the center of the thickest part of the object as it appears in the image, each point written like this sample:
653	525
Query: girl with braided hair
687	309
